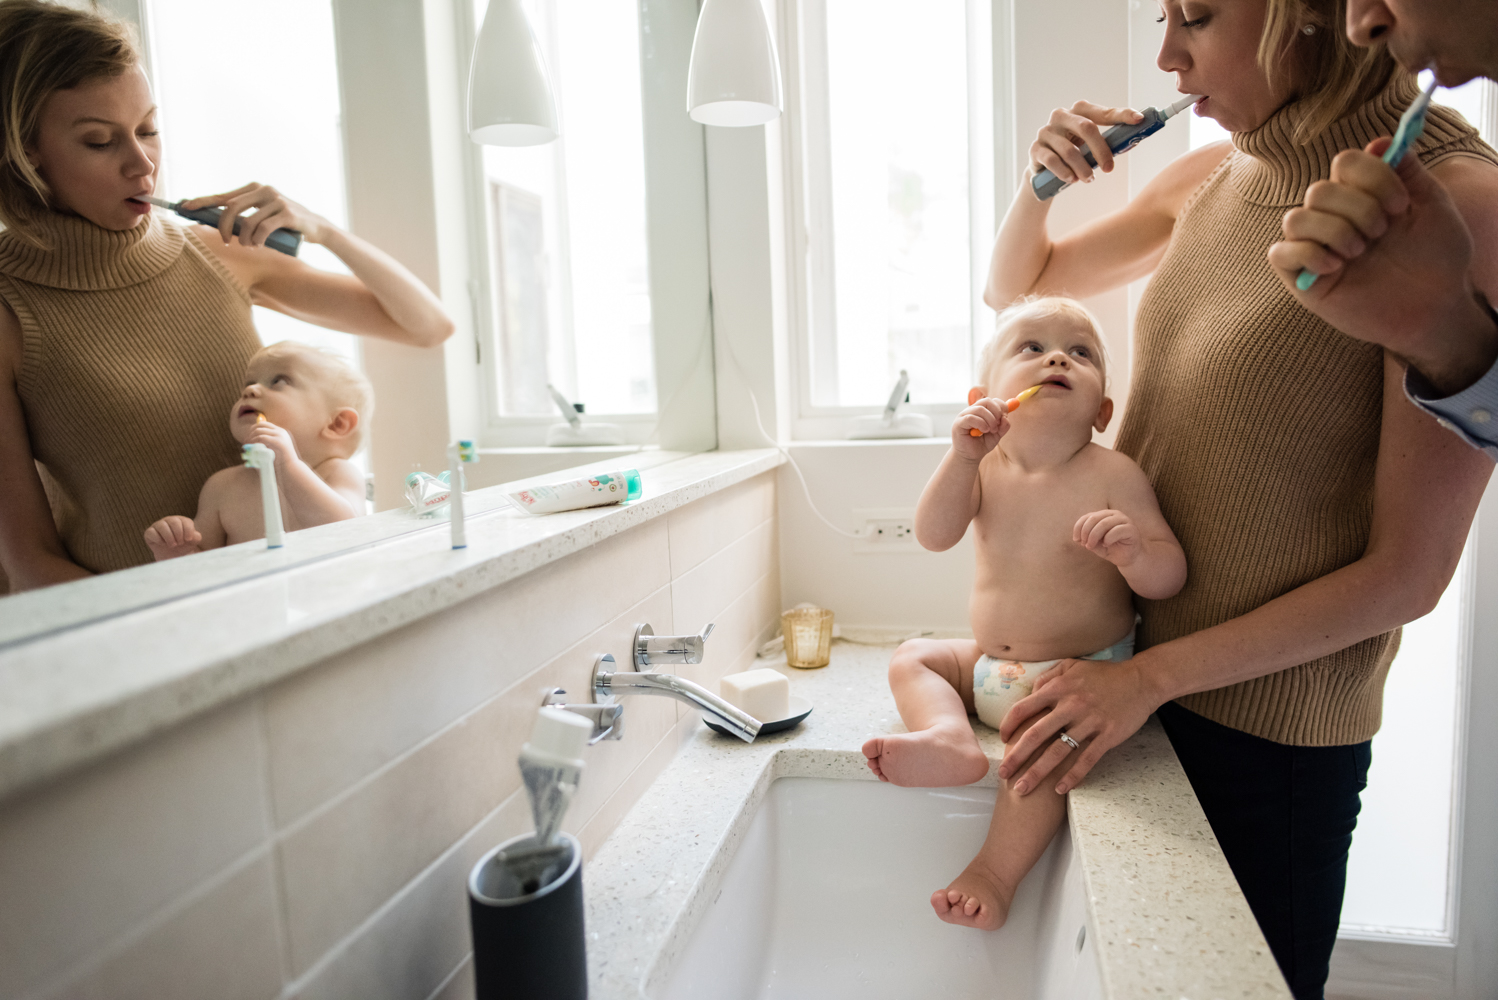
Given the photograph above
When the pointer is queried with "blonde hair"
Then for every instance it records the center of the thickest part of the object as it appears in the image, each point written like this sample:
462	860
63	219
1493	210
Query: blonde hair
44	48
1341	78
1041	307
341	384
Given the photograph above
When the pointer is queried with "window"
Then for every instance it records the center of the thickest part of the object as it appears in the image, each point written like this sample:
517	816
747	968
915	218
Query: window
895	198
277	124
568	265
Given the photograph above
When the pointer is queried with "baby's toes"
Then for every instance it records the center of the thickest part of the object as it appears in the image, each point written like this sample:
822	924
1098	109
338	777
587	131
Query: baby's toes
970	906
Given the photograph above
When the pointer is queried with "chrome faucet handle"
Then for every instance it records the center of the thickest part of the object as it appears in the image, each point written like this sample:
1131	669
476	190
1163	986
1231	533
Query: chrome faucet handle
607	717
654	650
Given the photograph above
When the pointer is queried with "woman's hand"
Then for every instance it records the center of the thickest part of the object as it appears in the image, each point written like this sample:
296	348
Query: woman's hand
271	211
173	536
1058	145
990	418
1096	702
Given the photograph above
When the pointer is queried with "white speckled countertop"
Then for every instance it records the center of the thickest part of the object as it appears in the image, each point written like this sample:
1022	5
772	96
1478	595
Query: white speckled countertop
1164	909
81	690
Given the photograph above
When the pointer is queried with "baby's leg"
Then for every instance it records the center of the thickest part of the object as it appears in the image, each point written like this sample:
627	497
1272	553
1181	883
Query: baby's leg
932	680
1021	829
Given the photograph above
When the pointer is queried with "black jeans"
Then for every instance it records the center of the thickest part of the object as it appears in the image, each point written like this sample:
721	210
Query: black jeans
1284	816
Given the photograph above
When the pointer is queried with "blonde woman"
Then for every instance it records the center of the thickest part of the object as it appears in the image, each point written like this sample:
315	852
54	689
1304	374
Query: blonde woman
124	336
1319	511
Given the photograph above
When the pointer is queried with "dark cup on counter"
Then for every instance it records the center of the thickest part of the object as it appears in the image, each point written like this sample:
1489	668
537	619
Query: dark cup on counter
525	905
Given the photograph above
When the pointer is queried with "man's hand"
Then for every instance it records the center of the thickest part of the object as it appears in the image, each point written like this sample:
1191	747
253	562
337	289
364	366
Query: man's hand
1110	535
1392	254
173	536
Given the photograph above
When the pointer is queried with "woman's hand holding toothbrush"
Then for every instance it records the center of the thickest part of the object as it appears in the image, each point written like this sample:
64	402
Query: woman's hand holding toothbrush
270	210
1058	145
1394	259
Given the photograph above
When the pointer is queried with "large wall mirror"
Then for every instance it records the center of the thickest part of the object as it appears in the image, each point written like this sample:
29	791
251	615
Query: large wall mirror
581	264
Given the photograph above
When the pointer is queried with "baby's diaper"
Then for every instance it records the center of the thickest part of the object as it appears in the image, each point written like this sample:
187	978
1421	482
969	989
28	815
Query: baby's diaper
998	684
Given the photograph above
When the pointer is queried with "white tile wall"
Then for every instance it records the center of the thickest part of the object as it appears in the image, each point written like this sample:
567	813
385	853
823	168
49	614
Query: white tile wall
313	841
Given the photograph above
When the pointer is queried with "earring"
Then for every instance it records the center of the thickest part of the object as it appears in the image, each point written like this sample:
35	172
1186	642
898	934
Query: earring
1309	29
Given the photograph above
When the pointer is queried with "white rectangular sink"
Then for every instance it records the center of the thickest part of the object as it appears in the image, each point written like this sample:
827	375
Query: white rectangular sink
826	897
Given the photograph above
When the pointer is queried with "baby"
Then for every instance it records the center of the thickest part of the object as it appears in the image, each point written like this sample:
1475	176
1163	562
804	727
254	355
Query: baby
309	407
1065	530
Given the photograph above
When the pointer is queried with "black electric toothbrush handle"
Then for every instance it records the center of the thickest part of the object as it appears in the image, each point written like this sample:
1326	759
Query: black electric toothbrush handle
1120	139
288	241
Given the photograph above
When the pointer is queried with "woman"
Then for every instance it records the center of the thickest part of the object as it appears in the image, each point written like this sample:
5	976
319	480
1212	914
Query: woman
1318	509
124	336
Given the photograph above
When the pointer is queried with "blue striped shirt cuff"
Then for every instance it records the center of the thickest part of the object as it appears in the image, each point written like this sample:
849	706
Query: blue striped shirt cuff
1471	414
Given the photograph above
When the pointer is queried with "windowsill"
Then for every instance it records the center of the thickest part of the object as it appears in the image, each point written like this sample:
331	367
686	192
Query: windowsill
74	695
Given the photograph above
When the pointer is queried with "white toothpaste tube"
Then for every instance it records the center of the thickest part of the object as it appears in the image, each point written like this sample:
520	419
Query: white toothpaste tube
596	491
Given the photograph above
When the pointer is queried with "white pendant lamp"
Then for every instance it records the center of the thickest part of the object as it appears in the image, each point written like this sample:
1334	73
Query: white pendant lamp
734	77
509	95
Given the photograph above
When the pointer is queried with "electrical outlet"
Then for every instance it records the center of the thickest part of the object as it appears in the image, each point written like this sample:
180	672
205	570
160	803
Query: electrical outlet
885	529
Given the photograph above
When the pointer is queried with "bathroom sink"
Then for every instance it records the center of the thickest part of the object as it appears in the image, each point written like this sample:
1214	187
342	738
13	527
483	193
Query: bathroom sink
826	898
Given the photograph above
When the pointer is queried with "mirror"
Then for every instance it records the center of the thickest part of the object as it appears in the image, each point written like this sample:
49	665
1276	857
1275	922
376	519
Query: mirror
561	268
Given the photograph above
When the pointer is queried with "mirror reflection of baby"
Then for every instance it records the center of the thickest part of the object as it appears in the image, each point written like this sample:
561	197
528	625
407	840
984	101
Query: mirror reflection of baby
309	407
1065	531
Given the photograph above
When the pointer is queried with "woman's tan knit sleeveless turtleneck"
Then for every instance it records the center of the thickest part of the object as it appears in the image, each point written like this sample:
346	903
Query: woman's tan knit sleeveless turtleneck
1258	424
135	346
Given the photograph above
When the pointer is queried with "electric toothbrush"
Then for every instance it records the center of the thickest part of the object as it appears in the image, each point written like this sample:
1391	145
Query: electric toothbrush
457	453
288	241
263	460
1120	139
1411	127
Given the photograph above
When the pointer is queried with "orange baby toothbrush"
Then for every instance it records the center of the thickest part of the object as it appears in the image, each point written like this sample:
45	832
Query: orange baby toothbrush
259	418
1010	406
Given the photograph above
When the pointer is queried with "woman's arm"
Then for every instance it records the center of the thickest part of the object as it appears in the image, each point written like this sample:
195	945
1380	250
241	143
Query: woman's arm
380	299
1106	253
1426	490
30	550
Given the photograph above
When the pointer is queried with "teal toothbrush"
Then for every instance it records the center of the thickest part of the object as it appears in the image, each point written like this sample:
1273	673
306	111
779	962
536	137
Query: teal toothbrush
1411	125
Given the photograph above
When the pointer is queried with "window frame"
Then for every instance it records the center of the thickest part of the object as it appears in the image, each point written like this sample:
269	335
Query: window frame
991	178
672	230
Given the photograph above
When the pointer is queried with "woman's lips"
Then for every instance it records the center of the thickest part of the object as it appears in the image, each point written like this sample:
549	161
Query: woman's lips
138	207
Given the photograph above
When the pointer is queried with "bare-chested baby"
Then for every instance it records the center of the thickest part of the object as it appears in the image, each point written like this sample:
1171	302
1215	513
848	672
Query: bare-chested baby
309	407
1066	531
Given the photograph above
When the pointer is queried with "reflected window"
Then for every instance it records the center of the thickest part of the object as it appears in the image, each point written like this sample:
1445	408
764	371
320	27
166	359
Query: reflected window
568	264
275	120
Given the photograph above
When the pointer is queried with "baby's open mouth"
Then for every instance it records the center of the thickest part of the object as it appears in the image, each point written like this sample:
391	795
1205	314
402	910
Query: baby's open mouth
245	411
1057	381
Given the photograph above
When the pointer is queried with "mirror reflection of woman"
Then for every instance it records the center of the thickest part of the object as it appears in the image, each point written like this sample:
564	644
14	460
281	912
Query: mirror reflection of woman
1319	510
124	335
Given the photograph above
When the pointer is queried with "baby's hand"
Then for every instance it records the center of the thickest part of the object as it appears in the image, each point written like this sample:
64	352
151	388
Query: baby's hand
1108	534
173	536
276	439
990	418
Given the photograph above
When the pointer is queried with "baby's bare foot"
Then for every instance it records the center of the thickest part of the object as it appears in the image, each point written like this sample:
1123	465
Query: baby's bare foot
976	898
931	758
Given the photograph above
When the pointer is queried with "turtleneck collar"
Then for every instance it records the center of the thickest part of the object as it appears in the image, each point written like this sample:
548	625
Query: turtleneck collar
1273	169
86	257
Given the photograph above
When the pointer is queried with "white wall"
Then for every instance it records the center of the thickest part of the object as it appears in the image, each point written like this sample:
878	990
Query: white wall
314	839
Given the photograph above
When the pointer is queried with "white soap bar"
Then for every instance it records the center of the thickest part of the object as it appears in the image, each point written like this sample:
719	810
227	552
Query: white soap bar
764	693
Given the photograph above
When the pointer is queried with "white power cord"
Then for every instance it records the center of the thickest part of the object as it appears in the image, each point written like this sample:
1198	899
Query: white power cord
806	490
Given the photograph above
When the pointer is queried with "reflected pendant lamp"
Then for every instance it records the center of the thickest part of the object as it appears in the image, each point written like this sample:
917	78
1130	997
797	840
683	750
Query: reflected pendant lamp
509	96
734	76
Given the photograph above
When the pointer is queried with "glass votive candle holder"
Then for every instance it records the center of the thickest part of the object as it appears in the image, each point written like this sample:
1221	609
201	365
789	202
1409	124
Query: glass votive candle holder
808	637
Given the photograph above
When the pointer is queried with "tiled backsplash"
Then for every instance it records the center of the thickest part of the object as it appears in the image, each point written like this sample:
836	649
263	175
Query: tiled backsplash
313	840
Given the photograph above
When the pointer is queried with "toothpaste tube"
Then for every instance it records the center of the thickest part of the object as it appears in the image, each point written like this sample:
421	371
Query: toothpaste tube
596	491
427	494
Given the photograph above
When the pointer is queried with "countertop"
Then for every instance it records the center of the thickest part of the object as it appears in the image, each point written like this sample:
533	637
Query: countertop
92	685
1167	916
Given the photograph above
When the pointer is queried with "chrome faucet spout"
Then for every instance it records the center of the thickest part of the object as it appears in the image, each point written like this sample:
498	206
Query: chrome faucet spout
619	683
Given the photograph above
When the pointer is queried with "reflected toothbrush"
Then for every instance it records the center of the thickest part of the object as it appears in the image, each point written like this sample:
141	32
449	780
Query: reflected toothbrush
1010	406
288	241
1411	126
